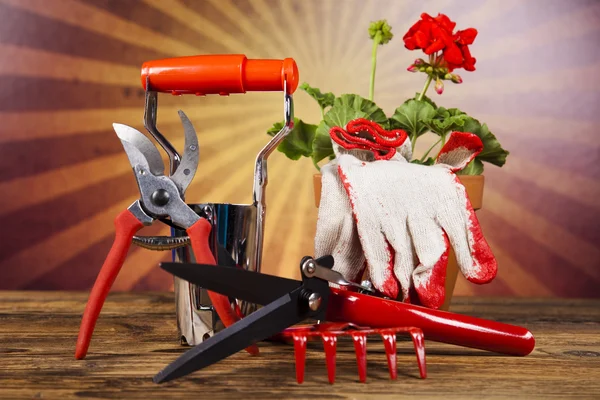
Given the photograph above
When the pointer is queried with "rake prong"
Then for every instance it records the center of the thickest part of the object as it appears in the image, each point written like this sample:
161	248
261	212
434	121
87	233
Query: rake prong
329	344
360	348
300	355
389	342
419	343
329	333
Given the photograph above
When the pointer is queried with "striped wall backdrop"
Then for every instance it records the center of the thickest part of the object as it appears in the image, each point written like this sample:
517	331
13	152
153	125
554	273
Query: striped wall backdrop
70	68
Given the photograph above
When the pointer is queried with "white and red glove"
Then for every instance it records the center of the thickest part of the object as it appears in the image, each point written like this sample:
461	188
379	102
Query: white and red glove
405	215
336	231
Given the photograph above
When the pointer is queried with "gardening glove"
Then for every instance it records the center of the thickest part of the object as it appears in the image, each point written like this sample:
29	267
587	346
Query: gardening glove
336	231
408	214
337	234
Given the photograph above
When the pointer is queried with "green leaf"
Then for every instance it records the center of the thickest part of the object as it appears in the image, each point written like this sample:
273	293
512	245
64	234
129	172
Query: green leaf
277	126
392	124
299	142
447	120
492	150
338	115
322	147
449	112
475	167
412	116
426	99
324	99
345	108
429	161
371	110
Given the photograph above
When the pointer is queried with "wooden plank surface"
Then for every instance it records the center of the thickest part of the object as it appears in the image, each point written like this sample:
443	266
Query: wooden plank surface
136	337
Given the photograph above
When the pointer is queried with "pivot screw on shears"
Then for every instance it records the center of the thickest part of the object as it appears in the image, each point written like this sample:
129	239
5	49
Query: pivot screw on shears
312	298
160	197
314	301
309	267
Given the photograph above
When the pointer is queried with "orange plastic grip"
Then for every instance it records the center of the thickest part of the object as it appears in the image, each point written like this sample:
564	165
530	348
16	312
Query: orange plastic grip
219	74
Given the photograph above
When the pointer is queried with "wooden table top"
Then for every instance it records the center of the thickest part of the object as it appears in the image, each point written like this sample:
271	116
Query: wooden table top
136	337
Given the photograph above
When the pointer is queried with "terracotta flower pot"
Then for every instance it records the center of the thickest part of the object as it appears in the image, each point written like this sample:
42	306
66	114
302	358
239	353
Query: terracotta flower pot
474	186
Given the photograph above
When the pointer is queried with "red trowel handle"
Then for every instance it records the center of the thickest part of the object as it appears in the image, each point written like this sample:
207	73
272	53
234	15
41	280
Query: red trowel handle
219	74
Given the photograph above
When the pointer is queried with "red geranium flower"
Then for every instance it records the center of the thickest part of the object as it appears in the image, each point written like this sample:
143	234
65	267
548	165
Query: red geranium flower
435	34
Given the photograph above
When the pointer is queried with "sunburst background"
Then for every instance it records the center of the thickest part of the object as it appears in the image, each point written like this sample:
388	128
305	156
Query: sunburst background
69	69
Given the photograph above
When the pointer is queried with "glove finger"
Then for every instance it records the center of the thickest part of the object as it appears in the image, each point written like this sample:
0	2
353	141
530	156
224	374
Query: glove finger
336	233
334	207
432	248
348	253
380	261
473	254
404	256
378	252
379	257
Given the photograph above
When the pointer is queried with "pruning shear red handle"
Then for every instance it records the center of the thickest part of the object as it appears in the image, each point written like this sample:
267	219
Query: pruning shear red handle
126	225
160	197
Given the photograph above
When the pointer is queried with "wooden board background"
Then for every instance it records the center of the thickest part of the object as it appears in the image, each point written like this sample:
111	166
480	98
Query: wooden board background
136	336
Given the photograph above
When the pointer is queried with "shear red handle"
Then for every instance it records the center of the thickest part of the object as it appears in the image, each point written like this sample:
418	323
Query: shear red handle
439	326
198	234
219	74
126	225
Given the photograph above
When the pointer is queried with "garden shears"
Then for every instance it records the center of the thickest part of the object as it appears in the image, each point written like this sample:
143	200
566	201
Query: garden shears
287	302
161	197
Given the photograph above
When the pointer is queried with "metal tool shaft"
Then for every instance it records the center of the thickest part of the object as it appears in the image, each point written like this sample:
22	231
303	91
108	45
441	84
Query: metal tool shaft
261	177
150	116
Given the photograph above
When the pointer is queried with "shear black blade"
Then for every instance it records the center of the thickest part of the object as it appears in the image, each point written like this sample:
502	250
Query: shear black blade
238	283
224	258
262	324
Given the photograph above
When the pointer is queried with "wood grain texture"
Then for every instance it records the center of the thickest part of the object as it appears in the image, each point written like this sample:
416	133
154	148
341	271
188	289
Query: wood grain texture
136	337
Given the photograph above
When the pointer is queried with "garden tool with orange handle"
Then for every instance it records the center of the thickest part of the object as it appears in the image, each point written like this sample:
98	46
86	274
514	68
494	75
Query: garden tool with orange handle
242	234
162	196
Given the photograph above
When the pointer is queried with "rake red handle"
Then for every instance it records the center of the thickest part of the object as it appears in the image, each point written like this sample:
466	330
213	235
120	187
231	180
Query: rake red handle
219	74
126	225
199	235
439	326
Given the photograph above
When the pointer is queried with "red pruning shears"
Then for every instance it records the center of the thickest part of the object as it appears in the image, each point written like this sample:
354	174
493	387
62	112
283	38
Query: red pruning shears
288	302
161	196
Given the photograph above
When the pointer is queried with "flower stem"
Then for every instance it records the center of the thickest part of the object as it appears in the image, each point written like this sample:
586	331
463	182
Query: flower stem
376	42
443	139
431	148
427	82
